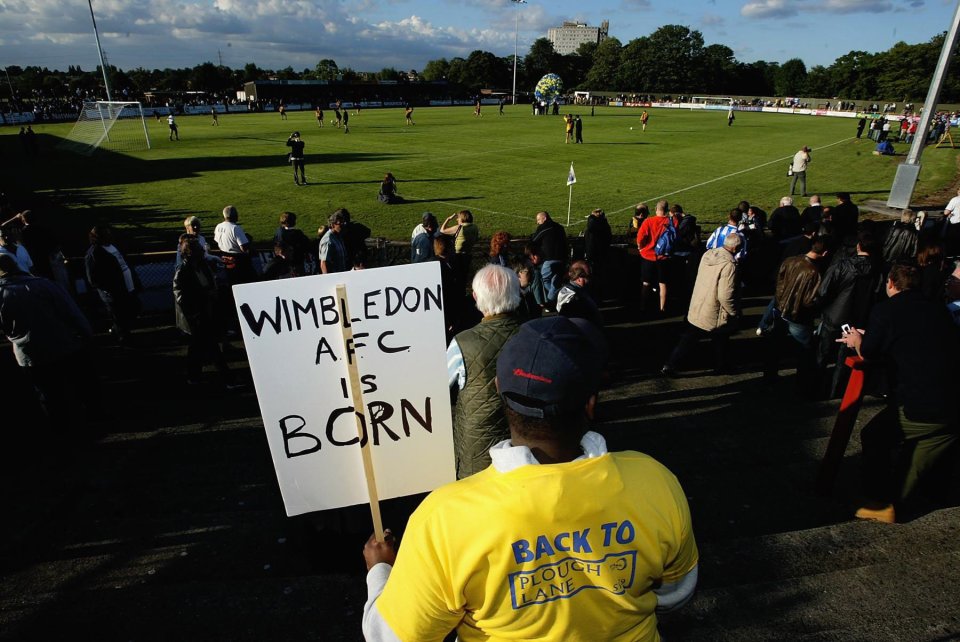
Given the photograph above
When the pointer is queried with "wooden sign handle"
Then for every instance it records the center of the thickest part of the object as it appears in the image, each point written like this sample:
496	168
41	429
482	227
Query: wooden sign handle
346	329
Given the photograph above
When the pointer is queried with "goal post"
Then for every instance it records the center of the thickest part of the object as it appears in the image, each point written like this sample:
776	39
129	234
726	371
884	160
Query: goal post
114	125
712	102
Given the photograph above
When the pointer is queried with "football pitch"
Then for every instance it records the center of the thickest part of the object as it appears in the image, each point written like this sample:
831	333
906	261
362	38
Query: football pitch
502	168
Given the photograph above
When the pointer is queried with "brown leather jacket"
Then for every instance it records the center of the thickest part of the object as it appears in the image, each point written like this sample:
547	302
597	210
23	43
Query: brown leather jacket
797	284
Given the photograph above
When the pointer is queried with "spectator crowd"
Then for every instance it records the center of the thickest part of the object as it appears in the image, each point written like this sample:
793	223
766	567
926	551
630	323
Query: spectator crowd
527	359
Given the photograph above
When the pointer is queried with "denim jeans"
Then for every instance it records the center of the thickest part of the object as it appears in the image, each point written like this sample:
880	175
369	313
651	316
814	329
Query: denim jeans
769	317
552	274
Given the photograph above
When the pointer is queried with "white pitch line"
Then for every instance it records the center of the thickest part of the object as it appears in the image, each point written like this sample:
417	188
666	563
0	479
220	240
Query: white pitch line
721	178
654	198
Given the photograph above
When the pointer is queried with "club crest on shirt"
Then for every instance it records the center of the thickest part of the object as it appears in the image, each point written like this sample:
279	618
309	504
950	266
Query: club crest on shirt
565	578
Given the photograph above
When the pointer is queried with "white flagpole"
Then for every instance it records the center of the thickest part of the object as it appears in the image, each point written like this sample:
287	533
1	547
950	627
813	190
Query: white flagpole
571	179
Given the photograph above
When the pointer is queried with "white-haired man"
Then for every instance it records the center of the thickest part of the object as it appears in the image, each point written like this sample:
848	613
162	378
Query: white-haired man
478	420
785	221
235	246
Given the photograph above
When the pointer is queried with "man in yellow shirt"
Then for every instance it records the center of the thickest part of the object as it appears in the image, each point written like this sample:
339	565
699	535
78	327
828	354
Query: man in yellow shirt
558	539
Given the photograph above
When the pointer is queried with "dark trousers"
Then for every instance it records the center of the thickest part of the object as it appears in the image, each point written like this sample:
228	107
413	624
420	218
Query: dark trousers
901	455
123	308
69	391
785	336
239	270
802	177
829	351
298	164
692	335
203	347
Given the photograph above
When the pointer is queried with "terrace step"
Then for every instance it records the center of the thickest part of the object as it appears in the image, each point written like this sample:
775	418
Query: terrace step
850	581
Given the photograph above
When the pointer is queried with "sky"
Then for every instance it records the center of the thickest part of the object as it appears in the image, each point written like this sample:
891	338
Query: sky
370	35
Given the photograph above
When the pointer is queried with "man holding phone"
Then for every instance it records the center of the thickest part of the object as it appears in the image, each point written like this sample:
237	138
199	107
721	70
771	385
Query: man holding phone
296	157
918	346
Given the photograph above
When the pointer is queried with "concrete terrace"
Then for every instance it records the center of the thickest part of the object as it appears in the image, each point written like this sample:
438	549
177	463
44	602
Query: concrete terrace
169	524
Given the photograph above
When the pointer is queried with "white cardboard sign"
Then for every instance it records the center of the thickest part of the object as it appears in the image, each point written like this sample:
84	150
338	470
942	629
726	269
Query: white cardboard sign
292	333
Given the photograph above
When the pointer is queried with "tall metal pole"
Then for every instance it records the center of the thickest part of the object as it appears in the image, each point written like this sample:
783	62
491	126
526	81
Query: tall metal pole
516	51
103	66
13	94
907	173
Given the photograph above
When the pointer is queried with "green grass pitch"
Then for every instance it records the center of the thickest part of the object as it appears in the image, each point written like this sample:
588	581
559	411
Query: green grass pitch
502	168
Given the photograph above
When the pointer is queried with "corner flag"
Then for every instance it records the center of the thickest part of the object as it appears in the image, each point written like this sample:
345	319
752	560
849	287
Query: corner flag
571	177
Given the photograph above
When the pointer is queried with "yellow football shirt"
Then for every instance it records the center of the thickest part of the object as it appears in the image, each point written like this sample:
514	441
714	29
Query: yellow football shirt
567	551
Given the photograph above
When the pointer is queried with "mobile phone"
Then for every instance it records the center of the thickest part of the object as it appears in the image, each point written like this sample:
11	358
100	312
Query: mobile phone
845	329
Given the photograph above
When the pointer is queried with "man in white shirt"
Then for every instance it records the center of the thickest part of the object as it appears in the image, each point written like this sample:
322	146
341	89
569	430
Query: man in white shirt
799	169
951	225
235	245
952	211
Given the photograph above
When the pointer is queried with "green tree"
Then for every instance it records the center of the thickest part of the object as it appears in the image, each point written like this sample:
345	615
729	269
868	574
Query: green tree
457	71
83	83
719	70
209	77
635	59
575	67
854	72
174	80
904	71
756	78
327	70
671	60
791	78
508	64
602	75
120	80
820	83
388	73
485	70
252	72
436	70
141	79
541	60
52	84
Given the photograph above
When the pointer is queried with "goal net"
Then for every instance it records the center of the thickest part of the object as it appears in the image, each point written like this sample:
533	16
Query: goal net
712	102
116	126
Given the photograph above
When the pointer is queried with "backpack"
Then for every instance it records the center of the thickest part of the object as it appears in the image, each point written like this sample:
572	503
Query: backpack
666	240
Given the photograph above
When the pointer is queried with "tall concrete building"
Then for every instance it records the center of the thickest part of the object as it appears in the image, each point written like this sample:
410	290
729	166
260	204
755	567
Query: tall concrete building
568	38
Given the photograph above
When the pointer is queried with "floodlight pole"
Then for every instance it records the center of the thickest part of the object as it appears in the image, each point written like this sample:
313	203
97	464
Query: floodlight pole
516	50
13	95
106	83
908	172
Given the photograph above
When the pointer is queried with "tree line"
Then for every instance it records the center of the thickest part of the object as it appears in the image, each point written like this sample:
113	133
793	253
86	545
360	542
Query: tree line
675	60
672	60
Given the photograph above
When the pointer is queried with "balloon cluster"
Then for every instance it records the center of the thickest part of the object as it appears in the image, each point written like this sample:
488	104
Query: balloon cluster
548	88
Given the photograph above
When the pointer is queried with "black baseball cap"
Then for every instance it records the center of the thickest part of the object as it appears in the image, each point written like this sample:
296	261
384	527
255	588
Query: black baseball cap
550	367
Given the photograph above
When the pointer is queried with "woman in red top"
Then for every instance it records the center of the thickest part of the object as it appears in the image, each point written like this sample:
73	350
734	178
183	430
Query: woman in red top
653	269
